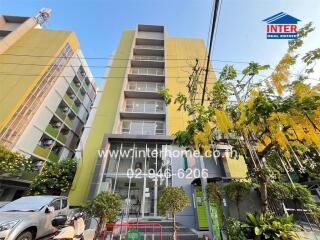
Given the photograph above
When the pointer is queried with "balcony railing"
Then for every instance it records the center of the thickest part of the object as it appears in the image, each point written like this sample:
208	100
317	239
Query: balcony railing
41	151
144	106
148	58
148	71
144	86
143	127
68	100
152	47
52	131
75	108
61	114
62	138
68	121
74	86
53	157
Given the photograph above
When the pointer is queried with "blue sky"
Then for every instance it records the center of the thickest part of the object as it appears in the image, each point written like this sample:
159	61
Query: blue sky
240	36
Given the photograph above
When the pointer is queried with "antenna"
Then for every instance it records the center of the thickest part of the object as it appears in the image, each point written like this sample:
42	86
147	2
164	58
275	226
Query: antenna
43	16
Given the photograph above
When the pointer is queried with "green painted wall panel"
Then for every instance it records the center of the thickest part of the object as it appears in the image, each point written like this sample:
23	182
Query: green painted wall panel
104	120
201	209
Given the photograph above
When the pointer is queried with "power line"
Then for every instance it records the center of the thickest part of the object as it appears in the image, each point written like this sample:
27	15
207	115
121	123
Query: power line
124	59
214	21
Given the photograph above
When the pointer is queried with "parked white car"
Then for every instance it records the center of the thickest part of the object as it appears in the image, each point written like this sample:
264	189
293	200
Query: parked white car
29	218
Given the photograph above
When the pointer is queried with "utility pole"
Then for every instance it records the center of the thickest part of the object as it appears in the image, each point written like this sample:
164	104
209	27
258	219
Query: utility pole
213	28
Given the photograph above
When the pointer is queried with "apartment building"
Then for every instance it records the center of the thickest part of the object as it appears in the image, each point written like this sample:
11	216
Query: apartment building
130	116
46	95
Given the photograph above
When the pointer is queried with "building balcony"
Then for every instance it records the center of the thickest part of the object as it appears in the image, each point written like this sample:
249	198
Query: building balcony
145	49
147	61
143	109
150	90
68	122
61	113
62	138
41	151
52	131
68	100
147	74
75	108
142	127
75	86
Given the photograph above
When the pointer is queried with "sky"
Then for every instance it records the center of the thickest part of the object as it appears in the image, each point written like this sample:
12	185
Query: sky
240	35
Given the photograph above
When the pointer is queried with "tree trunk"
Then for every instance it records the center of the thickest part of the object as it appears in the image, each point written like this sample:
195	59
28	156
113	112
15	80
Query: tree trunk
264	194
238	208
98	230
174	227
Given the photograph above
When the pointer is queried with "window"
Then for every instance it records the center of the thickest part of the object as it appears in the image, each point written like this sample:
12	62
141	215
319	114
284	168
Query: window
56	204
64	203
144	106
141	127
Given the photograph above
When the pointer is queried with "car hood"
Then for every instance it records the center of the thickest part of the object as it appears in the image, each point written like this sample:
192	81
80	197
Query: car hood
11	216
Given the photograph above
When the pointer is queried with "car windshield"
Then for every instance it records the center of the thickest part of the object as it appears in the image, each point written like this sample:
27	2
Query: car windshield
27	204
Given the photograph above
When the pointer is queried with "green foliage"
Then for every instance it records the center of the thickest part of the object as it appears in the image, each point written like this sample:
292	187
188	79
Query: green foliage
254	69
183	138
286	191
236	191
214	193
235	230
105	206
13	163
301	33
172	200
279	191
55	178
164	92
267	226
228	73
182	101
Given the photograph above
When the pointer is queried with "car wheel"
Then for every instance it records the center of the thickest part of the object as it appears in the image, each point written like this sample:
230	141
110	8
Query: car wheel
25	236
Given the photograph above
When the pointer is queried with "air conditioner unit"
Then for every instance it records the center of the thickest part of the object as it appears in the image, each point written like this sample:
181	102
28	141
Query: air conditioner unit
78	84
48	142
72	96
56	124
65	109
83	74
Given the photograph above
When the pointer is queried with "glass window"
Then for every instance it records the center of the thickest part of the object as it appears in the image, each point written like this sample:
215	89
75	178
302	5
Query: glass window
56	204
136	127
126	126
148	128
159	128
64	203
159	106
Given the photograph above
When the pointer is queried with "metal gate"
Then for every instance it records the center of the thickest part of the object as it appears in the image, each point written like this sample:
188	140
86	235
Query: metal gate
118	231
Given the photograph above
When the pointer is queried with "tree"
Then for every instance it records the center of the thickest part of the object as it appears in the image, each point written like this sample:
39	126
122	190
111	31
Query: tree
106	207
171	201
273	121
55	178
13	163
236	191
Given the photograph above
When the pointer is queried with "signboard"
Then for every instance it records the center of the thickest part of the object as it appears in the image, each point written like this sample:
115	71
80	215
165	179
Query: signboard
133	234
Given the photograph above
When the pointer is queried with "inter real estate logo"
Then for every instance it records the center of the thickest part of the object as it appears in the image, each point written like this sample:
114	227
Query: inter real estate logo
281	26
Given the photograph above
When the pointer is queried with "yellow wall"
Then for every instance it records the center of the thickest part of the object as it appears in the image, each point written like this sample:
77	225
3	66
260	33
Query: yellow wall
103	122
18	79
237	167
180	56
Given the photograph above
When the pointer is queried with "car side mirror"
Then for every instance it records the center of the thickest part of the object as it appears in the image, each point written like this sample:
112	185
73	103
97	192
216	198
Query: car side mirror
59	220
49	210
